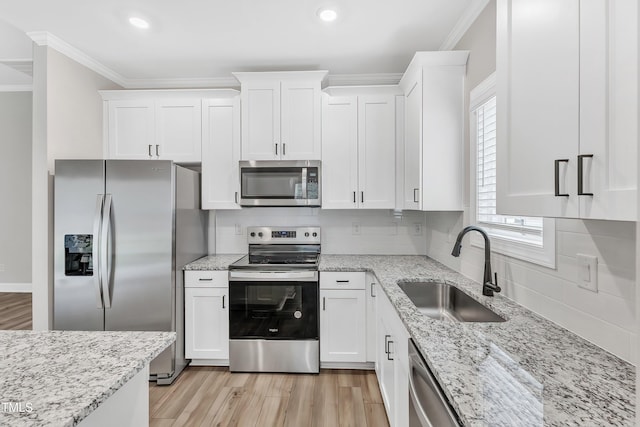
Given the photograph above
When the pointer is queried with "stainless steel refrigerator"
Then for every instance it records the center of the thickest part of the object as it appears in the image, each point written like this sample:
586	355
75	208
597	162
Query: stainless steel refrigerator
124	229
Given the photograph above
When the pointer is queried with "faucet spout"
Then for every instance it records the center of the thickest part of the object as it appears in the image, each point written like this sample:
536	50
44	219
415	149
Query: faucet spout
488	287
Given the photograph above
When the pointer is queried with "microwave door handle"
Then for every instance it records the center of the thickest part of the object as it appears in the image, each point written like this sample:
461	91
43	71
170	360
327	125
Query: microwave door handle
304	183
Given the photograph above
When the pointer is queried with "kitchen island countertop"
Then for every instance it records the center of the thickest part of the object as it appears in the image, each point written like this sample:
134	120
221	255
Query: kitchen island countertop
526	371
58	378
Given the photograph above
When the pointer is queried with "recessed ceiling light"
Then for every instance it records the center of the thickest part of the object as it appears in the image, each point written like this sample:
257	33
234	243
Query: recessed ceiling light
139	22
327	15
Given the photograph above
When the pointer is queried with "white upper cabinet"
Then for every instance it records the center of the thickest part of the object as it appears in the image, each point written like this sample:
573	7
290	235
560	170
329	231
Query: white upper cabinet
220	153
178	129
567	108
155	124
433	134
130	129
281	115
358	151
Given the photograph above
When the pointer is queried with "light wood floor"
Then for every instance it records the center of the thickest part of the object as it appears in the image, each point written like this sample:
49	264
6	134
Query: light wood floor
15	310
211	396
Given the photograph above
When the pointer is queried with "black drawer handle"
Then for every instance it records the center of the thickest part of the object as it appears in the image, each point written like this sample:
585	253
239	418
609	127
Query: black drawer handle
557	177
203	279
342	281
581	158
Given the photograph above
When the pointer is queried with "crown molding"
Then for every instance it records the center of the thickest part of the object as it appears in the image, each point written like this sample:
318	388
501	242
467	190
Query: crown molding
364	79
466	20
183	83
44	38
22	65
16	88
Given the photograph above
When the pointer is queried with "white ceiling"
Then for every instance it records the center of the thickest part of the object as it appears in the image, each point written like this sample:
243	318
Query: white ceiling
198	39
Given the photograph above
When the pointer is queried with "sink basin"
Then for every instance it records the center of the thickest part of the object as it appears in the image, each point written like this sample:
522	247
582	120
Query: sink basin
442	301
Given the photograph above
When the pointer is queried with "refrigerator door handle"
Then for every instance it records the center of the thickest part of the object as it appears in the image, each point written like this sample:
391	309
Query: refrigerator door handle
97	276
105	253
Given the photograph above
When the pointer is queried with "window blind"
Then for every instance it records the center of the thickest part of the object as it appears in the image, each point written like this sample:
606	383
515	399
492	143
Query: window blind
486	179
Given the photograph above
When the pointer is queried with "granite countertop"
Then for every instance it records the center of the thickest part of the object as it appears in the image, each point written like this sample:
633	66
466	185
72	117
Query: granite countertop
526	371
213	262
59	377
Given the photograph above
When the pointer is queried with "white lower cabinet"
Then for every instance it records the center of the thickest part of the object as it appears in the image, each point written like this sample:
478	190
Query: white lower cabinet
392	364
343	313
206	314
372	289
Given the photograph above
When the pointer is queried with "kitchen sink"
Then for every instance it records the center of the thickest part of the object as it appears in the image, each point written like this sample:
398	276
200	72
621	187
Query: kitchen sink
441	301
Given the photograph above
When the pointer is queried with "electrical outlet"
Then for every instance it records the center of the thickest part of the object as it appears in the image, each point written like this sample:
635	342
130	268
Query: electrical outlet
355	228
238	229
587	272
417	229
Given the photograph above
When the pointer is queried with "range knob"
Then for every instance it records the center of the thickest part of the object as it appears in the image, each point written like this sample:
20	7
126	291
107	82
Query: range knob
306	234
253	234
315	234
260	234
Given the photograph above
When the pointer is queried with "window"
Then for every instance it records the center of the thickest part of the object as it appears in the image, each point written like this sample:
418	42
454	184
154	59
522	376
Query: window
528	238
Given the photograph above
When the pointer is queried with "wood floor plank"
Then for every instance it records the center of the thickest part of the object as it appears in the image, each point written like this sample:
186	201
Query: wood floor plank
376	415
370	390
15	311
161	422
300	407
223	409
173	403
349	378
196	410
274	410
281	385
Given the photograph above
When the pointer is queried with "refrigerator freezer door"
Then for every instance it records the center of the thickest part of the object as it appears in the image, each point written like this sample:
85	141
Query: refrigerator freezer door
140	247
77	303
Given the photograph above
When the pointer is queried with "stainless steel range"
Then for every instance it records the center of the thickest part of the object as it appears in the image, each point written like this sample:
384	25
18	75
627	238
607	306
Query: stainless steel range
273	302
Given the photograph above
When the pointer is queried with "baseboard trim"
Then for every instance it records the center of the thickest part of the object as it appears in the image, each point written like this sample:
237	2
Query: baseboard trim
348	365
15	287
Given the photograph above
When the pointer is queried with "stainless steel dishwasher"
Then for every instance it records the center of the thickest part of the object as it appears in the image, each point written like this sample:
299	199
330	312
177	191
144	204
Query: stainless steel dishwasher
428	406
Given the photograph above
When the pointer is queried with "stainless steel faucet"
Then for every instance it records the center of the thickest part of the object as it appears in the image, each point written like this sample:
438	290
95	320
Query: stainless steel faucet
488	287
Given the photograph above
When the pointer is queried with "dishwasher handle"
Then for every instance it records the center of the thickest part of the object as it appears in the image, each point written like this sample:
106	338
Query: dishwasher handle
431	406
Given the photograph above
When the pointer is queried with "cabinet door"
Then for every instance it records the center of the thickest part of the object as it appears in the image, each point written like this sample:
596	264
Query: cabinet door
371	291
384	365
609	108
537	106
300	121
261	120
220	153
206	323
343	326
376	152
178	130
339	152
131	132
412	143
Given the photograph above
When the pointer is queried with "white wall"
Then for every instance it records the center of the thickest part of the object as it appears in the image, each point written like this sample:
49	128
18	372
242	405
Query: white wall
606	318
15	190
380	231
67	123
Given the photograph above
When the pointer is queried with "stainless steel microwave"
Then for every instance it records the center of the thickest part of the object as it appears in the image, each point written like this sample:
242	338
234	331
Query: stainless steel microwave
280	183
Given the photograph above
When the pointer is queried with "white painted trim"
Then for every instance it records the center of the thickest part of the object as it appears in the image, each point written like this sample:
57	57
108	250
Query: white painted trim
466	20
482	92
16	88
213	82
44	38
15	287
22	65
110	95
364	79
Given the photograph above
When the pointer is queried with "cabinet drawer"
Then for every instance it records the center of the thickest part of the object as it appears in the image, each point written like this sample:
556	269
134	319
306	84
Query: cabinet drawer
206	279
342	280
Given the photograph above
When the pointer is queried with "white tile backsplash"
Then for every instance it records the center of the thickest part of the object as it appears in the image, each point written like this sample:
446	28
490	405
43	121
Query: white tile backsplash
380	232
606	318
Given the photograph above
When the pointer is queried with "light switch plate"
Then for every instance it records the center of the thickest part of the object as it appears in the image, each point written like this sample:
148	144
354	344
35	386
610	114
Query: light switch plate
587	272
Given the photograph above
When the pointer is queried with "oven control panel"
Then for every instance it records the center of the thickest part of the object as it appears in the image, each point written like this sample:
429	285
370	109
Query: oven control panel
283	235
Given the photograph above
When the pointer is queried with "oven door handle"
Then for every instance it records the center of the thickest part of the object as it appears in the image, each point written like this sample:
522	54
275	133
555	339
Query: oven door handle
273	275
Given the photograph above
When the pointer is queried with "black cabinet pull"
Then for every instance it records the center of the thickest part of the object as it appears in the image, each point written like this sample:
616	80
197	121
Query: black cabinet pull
342	281
389	352
354	197
276	149
386	343
557	177
415	197
372	294
223	301
362	197
581	158
205	279
324	303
